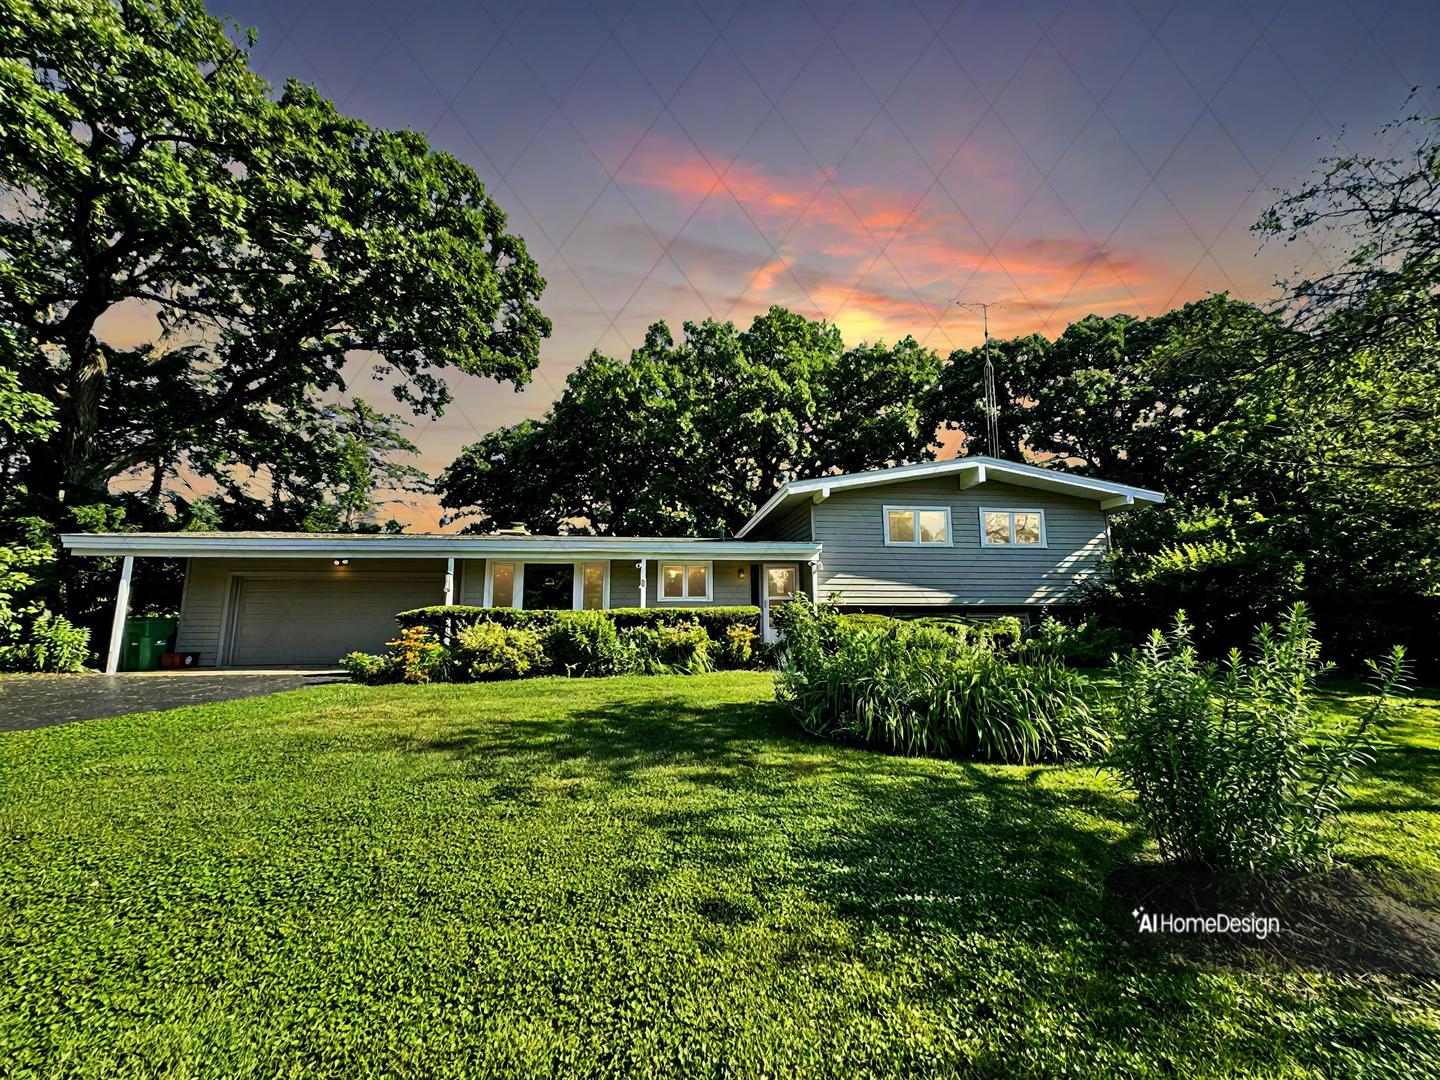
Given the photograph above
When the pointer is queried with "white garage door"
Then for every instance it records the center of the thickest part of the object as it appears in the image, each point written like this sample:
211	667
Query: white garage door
295	621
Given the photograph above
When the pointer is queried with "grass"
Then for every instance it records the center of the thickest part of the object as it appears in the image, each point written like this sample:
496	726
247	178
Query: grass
627	877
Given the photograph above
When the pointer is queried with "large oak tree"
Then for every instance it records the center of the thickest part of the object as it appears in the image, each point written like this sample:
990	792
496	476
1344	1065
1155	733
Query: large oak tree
145	169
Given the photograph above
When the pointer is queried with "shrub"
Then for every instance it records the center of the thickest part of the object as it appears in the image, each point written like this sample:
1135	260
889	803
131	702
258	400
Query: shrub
584	643
919	689
418	656
666	650
739	650
444	619
715	621
50	643
487	650
1087	643
1232	767
370	669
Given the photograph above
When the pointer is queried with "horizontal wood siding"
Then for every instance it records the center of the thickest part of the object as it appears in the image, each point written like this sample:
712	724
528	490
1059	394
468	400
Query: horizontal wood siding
202	609
858	564
793	525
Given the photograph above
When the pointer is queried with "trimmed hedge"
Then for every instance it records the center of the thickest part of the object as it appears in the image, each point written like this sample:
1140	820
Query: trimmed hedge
715	621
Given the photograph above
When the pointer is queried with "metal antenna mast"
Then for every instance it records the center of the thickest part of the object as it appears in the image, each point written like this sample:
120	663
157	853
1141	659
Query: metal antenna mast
992	407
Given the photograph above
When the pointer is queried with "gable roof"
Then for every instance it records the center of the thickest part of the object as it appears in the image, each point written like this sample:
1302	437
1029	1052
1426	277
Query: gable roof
1110	495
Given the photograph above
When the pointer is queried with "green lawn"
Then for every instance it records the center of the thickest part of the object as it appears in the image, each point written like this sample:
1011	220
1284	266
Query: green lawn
626	877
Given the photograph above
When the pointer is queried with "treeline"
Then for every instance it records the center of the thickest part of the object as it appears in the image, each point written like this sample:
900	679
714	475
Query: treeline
1299	445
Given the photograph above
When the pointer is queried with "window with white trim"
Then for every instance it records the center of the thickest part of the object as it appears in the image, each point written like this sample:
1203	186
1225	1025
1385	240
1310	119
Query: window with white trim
502	584
1012	528
905	525
592	586
685	581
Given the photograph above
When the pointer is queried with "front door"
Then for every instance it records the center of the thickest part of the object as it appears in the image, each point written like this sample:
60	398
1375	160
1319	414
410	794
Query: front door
782	583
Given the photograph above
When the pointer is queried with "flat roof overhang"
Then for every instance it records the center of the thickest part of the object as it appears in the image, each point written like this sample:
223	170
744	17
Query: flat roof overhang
425	546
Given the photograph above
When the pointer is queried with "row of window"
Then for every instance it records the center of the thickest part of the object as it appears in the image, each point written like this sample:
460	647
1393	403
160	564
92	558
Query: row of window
678	581
931	525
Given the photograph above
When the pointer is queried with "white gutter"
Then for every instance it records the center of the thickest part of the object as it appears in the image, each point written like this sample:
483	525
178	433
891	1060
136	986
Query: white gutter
401	546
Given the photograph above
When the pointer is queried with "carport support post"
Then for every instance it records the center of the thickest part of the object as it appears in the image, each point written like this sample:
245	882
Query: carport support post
449	582
122	608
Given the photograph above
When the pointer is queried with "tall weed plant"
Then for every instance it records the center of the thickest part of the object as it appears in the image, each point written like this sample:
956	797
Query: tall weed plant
1232	765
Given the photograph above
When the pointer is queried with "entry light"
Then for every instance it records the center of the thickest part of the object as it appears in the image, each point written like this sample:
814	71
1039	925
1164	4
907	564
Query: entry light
341	562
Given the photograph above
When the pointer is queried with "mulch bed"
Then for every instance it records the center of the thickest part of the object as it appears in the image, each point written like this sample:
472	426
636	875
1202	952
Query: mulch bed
1334	921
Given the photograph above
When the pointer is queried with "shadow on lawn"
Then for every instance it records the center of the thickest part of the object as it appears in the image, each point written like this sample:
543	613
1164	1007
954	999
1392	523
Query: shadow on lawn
1006	862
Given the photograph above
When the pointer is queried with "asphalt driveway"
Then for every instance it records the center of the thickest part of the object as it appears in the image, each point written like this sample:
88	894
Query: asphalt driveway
40	701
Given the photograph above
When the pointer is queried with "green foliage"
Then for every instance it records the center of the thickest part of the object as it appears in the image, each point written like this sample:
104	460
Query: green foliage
583	643
1224	572
370	669
688	438
418	656
487	650
1235	768
915	689
1087	643
50	643
739	650
681	649
716	621
141	161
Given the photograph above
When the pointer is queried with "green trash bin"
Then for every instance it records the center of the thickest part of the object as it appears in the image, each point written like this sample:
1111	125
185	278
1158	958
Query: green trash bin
146	637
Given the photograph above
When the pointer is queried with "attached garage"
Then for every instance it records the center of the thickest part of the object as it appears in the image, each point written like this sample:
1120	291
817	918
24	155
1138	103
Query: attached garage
308	621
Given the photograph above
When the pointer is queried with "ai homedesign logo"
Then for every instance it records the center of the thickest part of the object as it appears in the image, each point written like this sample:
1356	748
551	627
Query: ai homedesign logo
1259	927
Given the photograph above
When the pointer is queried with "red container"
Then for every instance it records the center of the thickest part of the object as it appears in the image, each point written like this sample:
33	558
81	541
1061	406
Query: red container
171	660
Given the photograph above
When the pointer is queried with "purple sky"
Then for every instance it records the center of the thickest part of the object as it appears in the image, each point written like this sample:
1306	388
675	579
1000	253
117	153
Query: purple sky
865	162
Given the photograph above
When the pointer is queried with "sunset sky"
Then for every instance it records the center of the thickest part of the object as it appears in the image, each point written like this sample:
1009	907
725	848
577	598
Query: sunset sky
869	162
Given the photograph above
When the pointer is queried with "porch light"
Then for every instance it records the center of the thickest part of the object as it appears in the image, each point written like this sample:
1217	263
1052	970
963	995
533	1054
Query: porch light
740	573
341	562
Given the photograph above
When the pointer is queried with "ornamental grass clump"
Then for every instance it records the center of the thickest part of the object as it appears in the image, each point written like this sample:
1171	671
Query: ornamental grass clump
917	689
1233	766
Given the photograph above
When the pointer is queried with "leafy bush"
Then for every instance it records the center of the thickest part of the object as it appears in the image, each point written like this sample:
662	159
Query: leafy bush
1087	643
715	621
444	619
487	650
739	650
50	643
913	688
418	656
1233	768
584	643
370	669
666	650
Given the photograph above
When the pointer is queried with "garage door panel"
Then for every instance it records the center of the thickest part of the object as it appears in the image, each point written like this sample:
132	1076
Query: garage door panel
315	622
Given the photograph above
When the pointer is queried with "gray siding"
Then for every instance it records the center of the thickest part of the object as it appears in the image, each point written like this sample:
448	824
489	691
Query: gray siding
792	525
207	585
863	569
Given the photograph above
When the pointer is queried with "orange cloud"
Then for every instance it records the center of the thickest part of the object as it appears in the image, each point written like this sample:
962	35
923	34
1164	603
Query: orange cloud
885	261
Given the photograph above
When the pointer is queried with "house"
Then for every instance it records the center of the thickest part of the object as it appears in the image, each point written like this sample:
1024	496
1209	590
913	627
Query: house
971	535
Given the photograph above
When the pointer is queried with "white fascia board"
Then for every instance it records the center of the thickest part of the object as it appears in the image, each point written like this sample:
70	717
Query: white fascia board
993	469
222	545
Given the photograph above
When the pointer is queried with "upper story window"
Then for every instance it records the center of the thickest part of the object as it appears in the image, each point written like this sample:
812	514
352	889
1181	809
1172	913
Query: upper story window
684	581
1012	528
917	525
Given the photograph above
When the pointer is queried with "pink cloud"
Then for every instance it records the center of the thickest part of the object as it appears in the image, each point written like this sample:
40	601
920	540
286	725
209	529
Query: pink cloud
885	261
